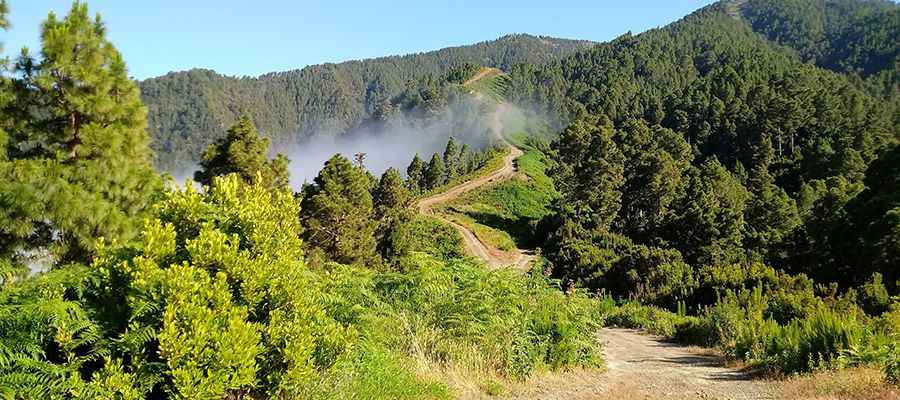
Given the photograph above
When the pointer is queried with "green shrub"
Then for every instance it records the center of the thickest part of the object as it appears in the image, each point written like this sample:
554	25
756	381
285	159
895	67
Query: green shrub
515	324
816	341
427	235
873	296
892	364
652	319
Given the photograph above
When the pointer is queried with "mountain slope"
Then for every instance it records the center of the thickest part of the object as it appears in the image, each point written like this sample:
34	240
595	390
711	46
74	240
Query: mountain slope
850	36
188	110
719	83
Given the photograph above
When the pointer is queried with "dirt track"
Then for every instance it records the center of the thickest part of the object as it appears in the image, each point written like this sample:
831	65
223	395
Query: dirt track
641	366
493	257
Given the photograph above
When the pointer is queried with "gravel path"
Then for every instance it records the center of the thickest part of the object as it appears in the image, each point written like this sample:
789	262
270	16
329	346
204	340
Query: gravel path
641	366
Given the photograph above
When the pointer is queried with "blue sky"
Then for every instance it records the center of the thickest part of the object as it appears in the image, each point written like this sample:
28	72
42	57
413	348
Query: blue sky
255	37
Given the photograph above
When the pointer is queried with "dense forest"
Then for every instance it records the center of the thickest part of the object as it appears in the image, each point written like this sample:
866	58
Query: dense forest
709	171
731	180
786	136
188	110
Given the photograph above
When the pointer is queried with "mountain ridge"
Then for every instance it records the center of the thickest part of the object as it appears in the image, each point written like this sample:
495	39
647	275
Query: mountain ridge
189	109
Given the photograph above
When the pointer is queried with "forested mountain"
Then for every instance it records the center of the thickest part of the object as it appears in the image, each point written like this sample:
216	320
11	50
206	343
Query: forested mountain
189	110
849	36
775	132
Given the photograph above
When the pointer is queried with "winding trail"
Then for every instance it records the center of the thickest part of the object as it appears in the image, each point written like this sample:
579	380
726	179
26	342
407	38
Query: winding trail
494	258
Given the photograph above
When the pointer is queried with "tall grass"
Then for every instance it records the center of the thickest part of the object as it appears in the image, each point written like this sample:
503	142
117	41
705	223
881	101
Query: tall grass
456	322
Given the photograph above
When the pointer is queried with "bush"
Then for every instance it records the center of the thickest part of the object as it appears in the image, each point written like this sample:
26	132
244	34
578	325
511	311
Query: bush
427	235
744	331
652	319
874	297
457	312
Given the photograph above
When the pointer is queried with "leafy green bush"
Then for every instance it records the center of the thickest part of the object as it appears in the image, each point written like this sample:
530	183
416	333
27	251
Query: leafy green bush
873	296
655	320
427	235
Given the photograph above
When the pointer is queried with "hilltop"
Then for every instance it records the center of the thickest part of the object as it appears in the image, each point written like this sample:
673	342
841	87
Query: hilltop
190	109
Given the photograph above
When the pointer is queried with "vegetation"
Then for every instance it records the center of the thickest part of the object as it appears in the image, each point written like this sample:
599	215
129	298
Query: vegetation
729	180
218	285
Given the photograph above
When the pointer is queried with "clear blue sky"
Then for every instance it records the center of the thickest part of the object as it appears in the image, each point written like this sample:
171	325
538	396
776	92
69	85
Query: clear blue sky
254	37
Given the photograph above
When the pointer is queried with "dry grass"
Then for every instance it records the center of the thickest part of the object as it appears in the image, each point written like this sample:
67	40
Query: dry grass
847	384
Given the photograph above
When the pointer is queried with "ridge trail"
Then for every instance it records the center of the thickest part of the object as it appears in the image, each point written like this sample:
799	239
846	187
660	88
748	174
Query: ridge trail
493	257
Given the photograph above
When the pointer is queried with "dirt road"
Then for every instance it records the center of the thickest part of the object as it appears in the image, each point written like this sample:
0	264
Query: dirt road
484	73
641	366
493	257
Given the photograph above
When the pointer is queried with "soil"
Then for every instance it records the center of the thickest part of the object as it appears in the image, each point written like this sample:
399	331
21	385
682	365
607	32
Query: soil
641	366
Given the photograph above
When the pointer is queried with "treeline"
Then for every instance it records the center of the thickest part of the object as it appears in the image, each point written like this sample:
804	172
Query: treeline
456	162
189	110
710	172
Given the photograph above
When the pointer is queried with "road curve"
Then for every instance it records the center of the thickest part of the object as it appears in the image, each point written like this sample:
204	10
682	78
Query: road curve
474	246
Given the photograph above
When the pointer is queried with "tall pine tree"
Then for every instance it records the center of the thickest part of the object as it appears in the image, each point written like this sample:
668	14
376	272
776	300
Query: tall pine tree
79	163
243	152
337	213
393	203
451	159
434	174
415	175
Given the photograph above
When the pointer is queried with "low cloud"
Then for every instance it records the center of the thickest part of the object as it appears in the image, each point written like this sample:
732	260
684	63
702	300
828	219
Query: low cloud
395	142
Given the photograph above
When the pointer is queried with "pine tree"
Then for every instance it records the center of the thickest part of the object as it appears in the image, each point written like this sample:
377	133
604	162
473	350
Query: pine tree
78	138
590	172
465	159
415	175
242	151
655	162
392	207
337	213
451	159
707	225
434	174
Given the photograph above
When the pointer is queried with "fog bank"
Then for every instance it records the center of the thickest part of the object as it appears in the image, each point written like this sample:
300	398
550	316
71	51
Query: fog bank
394	142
